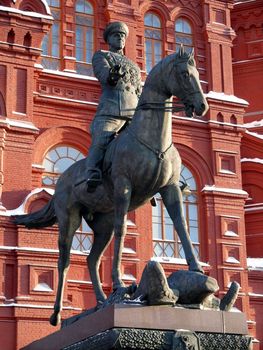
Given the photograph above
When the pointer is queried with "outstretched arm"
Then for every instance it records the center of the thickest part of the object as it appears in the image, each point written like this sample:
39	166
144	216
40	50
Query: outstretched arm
104	71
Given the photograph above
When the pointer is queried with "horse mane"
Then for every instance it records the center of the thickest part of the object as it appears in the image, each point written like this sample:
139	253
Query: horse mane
169	62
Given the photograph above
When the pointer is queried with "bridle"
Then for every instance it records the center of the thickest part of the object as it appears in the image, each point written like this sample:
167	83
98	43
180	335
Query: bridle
162	106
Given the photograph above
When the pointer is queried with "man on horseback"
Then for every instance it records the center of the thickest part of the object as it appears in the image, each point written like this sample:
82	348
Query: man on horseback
120	80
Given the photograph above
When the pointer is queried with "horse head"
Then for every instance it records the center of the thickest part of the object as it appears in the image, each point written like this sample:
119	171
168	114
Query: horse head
182	80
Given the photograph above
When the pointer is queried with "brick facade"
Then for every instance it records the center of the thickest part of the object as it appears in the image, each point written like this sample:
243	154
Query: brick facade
42	108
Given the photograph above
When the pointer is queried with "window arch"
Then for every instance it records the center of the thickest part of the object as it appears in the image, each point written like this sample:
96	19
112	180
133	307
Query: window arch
56	161
84	36
183	34
153	40
166	243
51	41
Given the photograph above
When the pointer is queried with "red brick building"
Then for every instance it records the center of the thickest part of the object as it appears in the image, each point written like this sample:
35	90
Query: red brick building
48	97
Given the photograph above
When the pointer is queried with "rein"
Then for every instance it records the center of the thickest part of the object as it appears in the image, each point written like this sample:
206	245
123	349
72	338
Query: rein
160	155
162	106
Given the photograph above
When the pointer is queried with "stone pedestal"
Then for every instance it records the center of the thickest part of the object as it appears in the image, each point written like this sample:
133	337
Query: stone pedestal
152	327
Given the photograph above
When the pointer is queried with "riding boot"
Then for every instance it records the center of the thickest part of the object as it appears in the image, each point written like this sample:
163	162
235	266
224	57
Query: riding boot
93	167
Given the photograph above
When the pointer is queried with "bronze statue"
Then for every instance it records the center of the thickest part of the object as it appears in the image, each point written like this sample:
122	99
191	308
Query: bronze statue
120	80
138	163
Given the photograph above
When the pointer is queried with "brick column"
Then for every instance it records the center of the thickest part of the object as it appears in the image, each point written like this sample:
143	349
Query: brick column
2	147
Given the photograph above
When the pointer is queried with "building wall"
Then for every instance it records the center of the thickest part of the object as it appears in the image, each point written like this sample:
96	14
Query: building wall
44	108
247	19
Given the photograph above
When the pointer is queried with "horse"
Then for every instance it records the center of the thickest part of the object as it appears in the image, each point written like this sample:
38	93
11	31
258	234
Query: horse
140	162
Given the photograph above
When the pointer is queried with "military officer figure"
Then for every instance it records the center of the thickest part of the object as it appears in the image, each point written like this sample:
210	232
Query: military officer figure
121	87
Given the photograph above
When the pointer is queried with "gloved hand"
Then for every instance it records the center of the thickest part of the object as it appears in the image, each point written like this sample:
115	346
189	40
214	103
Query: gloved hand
115	74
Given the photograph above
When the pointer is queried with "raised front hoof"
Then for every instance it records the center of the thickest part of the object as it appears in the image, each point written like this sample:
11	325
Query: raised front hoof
55	319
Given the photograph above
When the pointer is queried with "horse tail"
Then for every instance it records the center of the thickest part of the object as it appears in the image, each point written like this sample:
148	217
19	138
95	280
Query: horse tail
44	217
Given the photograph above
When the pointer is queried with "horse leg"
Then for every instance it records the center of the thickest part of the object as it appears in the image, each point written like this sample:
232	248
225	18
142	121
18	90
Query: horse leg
68	224
122	196
102	226
173	201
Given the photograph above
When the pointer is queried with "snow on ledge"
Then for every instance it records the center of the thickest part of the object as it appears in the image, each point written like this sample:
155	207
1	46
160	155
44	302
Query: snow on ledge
19	124
42	287
21	209
128	250
232	260
223	97
69	74
254	124
255	295
252	160
178	261
128	277
243	2
36	306
79	282
229	233
29	13
41	250
213	188
255	264
255	134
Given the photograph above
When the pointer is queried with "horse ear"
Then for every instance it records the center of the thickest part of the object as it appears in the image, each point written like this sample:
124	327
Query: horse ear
192	53
181	50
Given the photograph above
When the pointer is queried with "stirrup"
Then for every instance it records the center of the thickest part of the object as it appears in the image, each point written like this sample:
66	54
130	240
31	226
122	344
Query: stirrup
94	180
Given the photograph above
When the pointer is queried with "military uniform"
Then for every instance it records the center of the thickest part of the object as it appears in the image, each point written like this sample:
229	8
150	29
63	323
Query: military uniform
120	80
116	102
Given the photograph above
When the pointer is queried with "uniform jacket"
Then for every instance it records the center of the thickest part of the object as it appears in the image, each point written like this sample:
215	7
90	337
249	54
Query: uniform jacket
119	100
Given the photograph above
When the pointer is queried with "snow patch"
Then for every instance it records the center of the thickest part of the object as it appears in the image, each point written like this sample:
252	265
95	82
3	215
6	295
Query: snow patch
253	160
29	13
41	250
38	166
42	287
38	65
19	124
128	277
230	234
255	295
213	188
70	75
178	261
223	97
232	260
21	209
255	264
255	134
68	99
35	306
128	250
79	281
255	124
253	208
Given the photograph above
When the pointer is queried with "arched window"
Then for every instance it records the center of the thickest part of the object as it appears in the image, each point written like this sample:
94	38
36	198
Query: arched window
153	40
56	161
166	243
51	41
84	36
183	34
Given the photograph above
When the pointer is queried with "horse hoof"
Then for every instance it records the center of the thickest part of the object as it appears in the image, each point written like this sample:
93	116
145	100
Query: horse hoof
55	319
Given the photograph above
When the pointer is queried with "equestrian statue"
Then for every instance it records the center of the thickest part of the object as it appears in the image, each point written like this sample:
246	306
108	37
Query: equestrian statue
140	162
